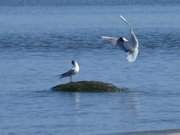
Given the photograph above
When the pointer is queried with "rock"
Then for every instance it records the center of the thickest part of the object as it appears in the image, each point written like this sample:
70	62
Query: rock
88	86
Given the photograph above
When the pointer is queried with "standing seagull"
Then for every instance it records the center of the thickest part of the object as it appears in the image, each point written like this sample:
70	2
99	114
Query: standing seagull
73	71
130	46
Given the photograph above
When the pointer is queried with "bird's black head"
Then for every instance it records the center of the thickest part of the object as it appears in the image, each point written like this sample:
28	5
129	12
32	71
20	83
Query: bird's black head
73	62
121	39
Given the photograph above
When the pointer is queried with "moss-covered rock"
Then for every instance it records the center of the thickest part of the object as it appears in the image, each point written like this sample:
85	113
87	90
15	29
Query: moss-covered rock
87	86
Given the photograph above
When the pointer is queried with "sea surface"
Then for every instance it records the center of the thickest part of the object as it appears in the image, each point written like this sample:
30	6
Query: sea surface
38	43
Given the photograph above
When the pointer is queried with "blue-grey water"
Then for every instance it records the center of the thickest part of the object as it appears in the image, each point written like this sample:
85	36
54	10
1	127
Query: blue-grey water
38	43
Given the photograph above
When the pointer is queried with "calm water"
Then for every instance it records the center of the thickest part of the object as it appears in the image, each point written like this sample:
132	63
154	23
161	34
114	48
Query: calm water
38	43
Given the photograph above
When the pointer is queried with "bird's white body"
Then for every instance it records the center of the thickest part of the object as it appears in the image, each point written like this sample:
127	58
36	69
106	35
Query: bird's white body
131	45
73	71
76	68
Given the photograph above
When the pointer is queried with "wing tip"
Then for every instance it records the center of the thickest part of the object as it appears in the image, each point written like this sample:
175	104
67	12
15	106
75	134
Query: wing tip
121	16
103	37
60	76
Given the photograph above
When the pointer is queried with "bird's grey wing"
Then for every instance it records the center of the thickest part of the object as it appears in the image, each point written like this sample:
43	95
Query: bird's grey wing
127	47
133	40
111	40
132	43
66	74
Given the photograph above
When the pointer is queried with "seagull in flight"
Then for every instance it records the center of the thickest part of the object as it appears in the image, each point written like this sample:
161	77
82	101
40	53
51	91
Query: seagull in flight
131	45
73	71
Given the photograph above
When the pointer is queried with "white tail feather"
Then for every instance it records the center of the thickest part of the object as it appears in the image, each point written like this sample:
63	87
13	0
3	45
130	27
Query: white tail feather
132	56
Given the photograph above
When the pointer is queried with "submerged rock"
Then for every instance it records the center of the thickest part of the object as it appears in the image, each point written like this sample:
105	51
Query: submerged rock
87	86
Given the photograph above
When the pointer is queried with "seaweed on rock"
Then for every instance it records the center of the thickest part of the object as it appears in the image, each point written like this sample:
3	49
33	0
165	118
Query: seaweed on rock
88	86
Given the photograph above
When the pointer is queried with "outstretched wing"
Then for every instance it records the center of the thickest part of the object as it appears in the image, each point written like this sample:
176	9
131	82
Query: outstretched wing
66	74
112	40
133	41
